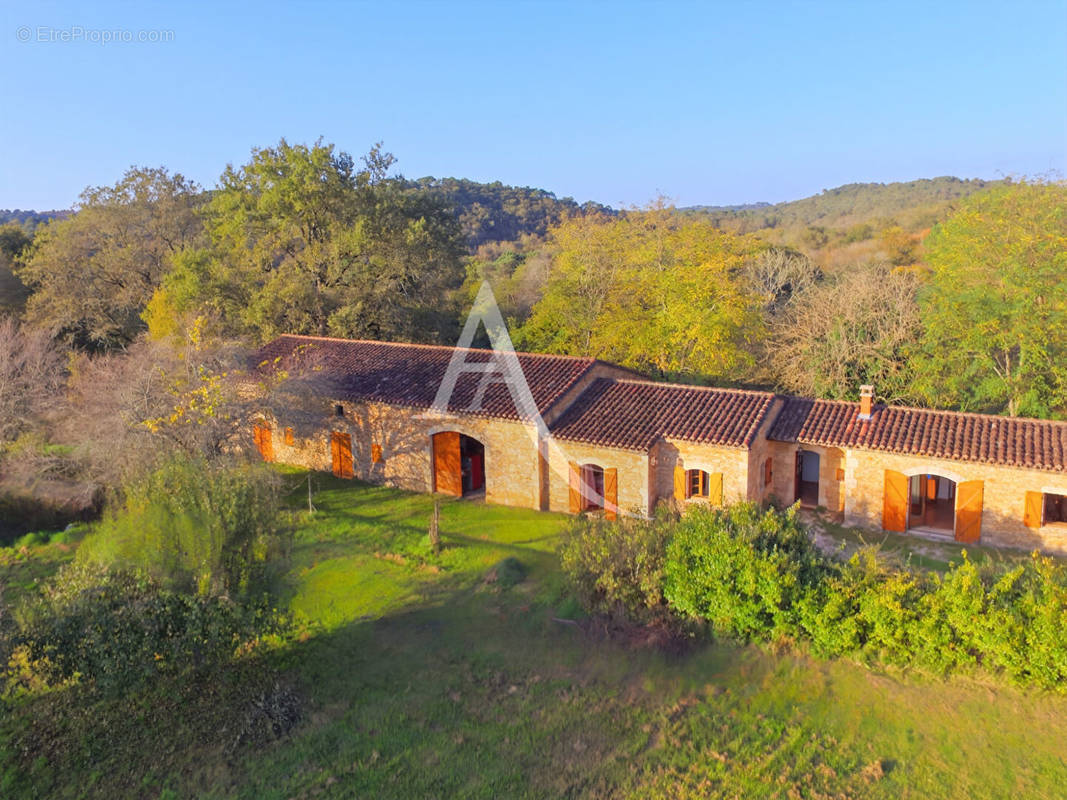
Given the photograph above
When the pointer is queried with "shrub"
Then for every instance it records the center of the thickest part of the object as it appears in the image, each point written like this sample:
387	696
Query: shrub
742	569
194	525
116	629
616	568
755	575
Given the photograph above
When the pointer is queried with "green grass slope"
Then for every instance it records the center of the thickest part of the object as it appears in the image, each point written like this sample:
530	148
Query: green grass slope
423	676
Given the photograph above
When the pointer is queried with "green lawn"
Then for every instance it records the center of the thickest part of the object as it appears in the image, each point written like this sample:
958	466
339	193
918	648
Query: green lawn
422	676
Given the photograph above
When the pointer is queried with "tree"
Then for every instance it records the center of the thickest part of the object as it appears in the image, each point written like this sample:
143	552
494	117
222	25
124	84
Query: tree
650	289
840	334
32	371
995	305
13	241
93	273
303	242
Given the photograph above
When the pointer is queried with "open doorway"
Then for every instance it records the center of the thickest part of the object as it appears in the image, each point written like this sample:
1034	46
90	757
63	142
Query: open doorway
458	465
932	503
472	466
807	482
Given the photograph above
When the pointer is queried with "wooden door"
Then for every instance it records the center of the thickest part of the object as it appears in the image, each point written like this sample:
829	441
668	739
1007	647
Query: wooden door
447	469
895	502
341	454
261	436
969	495
611	493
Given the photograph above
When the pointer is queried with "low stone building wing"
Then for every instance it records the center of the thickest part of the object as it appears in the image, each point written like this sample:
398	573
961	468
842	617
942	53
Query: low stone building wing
409	375
634	414
951	435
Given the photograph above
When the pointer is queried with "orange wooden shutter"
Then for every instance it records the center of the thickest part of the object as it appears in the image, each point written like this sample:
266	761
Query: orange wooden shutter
289	437
1035	502
574	480
679	483
895	502
715	488
335	453
375	453
345	449
969	511
448	477
266	445
611	493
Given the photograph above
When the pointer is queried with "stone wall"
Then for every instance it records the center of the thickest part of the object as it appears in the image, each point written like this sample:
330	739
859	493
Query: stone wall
511	462
632	465
732	462
1004	490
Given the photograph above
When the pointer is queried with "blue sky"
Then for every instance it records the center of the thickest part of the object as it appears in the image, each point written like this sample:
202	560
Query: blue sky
615	102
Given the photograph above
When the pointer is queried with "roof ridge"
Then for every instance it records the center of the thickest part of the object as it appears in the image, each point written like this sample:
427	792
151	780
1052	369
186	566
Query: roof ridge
921	409
589	359
673	385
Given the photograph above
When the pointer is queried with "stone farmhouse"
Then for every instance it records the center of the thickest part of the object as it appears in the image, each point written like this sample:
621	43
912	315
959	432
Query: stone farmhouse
617	442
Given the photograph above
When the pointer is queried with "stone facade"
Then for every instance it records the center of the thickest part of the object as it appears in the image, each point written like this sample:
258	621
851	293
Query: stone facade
1004	495
392	443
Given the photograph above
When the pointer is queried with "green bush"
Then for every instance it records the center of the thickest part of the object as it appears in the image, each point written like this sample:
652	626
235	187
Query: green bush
755	575
616	568
117	629
742	569
195	525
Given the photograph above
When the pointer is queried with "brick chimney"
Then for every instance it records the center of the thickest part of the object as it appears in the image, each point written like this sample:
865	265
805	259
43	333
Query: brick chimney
866	401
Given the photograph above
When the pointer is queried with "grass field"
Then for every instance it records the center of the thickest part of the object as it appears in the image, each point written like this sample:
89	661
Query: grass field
437	676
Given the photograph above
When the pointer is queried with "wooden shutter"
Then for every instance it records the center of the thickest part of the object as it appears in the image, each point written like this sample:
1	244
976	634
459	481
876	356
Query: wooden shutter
611	493
335	453
289	439
679	483
715	488
768	471
969	511
447	470
346	456
375	453
895	502
261	436
574	481
1035	506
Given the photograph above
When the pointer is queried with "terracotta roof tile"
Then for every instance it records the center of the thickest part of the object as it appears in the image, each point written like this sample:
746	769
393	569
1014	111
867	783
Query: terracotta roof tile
633	414
410	374
1007	441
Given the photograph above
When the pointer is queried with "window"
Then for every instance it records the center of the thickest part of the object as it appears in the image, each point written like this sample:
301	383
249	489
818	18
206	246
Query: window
289	437
339	410
375	453
1055	509
696	483
593	482
768	471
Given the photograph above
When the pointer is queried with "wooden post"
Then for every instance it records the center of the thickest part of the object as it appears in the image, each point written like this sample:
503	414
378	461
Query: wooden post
435	529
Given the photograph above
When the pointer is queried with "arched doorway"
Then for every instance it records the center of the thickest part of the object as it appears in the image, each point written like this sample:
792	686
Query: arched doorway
458	464
931	503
